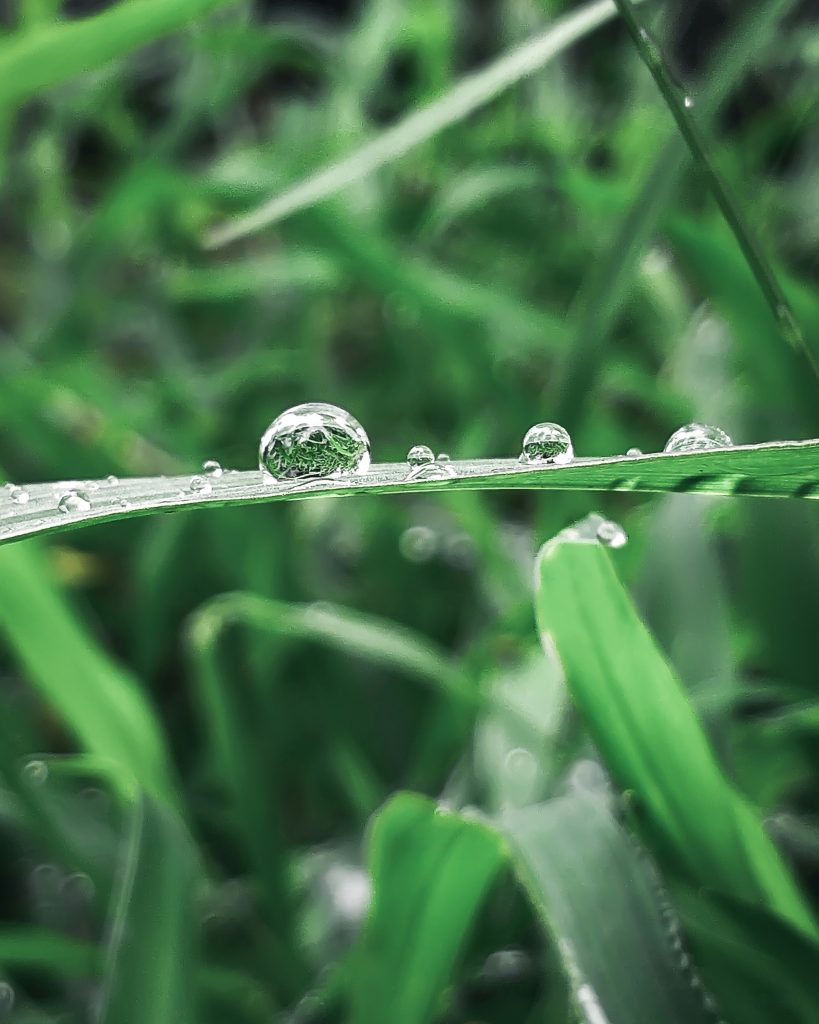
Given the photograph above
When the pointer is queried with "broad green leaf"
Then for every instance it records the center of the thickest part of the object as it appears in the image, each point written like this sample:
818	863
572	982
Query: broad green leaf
598	900
641	719
431	870
97	699
151	949
32	61
778	469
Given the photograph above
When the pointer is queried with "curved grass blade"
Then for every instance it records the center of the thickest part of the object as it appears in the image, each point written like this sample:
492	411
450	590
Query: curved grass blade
431	871
469	95
598	900
779	469
152	957
33	61
99	701
645	726
679	104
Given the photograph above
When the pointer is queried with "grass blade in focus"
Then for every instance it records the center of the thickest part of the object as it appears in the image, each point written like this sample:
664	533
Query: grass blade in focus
782	469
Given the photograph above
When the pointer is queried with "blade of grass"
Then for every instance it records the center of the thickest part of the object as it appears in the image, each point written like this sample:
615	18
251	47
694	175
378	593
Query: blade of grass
96	698
605	288
641	719
679	104
151	954
469	95
33	61
782	469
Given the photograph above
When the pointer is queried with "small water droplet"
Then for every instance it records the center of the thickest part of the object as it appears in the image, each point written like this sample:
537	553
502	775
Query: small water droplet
547	443
111	479
418	544
521	763
35	772
314	440
612	534
123	503
634	452
19	495
78	888
6	998
443	457
212	468
199	485
74	502
697	437
420	455
688	101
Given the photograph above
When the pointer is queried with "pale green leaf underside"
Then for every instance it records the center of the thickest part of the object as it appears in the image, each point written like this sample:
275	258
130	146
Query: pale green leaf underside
780	469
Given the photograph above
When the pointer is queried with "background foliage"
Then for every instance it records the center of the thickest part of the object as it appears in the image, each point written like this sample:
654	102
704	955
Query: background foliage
202	713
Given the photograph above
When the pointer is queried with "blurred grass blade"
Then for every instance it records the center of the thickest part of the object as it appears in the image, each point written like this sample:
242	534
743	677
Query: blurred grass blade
152	956
33	61
599	902
641	719
469	95
28	947
431	871
679	104
97	699
782	469
606	286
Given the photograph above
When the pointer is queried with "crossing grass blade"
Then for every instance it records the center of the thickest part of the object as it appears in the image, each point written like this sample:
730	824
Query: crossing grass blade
96	698
783	469
33	61
644	725
151	951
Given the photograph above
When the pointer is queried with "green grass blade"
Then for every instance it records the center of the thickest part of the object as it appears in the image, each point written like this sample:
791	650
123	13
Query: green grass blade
679	104
781	469
647	730
47	951
152	959
97	699
431	871
33	61
469	95
606	287
598	900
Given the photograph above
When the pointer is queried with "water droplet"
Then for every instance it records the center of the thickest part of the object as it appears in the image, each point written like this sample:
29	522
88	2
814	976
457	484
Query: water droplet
111	479
689	102
634	452
420	455
35	772
547	442
123	503
74	502
443	457
6	998
312	441
212	468
418	544
19	495
521	764
612	534
78	888
697	437
199	485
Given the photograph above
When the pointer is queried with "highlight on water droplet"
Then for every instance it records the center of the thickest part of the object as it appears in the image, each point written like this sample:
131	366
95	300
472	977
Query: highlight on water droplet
596	529
73	502
35	772
547	443
212	468
697	437
688	101
420	455
199	485
313	441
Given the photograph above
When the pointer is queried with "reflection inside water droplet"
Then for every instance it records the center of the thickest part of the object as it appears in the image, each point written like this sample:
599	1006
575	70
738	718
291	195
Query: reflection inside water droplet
212	468
697	437
74	502
314	440
547	443
420	455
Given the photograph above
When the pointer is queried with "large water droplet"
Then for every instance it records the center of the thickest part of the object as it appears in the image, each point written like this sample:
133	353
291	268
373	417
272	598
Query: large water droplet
697	437
612	534
212	468
547	442
19	495
314	440
73	502
420	455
